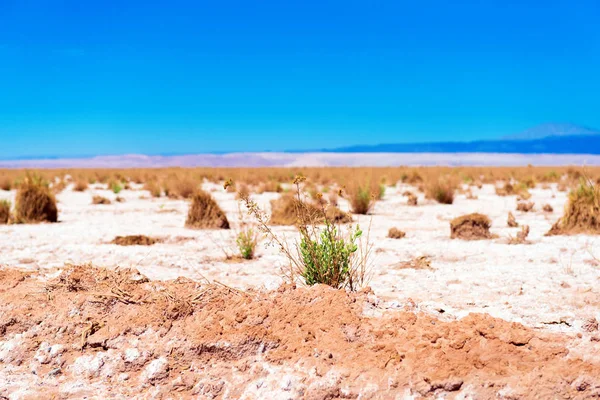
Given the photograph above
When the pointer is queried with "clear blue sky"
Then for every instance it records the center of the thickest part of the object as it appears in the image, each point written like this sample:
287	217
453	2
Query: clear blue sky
111	77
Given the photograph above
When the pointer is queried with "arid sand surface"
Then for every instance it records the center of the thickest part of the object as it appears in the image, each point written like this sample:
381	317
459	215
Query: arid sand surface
443	331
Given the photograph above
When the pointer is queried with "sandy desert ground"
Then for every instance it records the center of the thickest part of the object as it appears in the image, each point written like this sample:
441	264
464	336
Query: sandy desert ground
484	319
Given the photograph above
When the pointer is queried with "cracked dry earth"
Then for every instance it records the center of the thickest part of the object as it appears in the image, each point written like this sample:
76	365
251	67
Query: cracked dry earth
87	332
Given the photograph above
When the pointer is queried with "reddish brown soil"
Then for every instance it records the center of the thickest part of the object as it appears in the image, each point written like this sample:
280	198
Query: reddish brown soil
121	335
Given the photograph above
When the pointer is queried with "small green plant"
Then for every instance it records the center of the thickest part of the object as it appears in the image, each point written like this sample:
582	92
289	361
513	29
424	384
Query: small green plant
246	241
325	254
326	258
116	187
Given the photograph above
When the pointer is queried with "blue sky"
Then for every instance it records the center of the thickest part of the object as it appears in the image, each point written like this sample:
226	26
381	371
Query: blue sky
113	77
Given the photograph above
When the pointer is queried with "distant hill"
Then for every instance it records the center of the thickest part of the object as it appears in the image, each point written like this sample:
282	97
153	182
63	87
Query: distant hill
543	139
547	130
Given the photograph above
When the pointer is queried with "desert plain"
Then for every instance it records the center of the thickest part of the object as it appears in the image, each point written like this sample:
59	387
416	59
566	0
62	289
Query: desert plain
187	317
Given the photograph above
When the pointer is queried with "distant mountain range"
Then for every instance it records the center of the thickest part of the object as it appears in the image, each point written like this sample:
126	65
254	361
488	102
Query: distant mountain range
548	144
543	139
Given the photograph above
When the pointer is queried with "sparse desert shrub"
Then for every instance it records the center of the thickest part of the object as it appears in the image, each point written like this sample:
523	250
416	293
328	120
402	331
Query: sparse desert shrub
4	211
135	240
100	200
6	183
512	222
361	198
154	188
525	206
412	198
80	186
181	188
471	227
286	209
35	202
395	233
325	255
547	208
521	236
246	241
205	213
441	190
582	212
115	187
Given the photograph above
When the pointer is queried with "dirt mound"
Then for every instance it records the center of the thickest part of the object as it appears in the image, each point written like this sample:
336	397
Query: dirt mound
35	202
135	240
94	332
471	227
287	209
582	212
205	213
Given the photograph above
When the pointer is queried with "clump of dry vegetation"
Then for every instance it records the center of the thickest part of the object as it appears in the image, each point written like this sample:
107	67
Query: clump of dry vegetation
287	209
100	200
35	202
135	240
525	206
547	208
441	190
412	198
471	227
512	222
395	233
205	213
582	212
154	188
6	183
4	211
80	186
521	236
361	198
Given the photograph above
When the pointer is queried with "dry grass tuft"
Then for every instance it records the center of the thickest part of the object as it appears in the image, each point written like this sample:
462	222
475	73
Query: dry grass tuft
441	190
512	222
582	212
205	213
521	236
135	240
4	211
471	227
395	233
80	186
361	197
35	202
287	209
154	188
100	200
6	183
525	206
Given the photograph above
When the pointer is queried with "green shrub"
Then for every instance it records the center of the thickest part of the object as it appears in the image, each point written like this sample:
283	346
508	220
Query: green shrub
327	258
116	187
246	242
